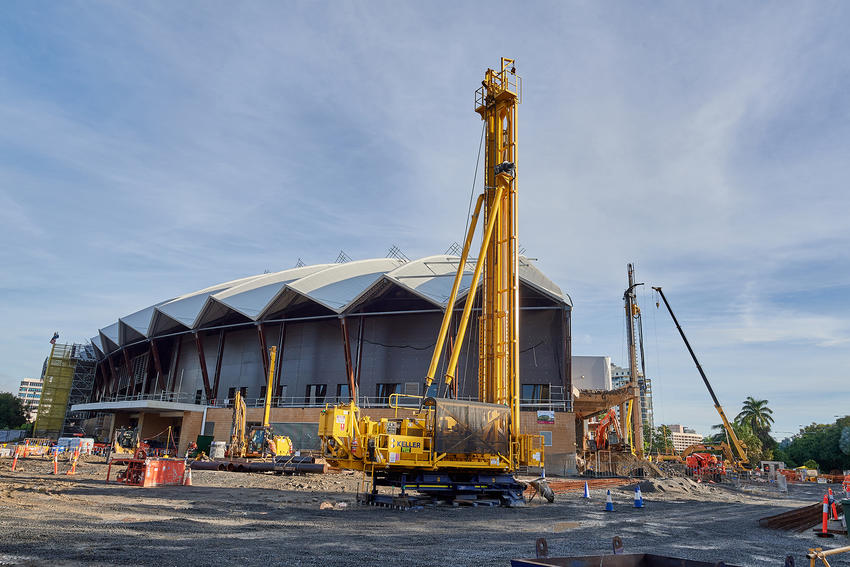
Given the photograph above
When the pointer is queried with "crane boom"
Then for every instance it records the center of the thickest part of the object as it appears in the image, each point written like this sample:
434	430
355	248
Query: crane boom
739	447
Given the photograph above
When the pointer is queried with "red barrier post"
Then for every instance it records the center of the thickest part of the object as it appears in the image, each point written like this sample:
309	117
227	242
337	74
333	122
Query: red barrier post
15	460
824	531
832	505
76	456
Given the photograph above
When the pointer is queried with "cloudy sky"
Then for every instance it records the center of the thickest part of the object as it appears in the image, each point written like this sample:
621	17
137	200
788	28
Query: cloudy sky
151	149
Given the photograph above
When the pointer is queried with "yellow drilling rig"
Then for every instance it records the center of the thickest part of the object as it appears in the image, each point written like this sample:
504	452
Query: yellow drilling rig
443	447
261	440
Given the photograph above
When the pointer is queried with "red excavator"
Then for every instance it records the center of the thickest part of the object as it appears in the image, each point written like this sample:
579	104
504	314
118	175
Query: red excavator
705	466
603	430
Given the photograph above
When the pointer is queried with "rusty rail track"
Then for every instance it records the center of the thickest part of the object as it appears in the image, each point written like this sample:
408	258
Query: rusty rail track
797	520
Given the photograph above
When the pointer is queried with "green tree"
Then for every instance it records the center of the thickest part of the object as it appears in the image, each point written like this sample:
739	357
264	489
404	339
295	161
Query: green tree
759	418
844	440
811	464
12	413
822	443
662	440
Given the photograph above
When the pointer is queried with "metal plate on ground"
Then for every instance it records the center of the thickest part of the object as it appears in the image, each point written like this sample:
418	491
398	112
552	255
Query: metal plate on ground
629	560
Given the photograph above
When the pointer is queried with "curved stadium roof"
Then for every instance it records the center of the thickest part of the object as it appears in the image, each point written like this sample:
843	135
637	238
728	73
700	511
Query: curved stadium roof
339	288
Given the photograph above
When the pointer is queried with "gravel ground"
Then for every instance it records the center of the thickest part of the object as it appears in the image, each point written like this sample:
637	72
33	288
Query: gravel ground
233	518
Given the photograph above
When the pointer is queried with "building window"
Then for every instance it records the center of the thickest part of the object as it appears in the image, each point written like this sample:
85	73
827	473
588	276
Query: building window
383	392
231	393
547	438
263	394
343	392
243	391
316	394
198	395
535	393
411	388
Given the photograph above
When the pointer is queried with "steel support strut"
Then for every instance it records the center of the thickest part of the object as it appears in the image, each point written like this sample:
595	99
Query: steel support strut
202	360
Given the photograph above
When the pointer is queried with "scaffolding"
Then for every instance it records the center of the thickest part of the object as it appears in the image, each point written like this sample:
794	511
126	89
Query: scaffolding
68	379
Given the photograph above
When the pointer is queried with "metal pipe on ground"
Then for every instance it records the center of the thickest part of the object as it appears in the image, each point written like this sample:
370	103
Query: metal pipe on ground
208	466
291	468
261	467
312	468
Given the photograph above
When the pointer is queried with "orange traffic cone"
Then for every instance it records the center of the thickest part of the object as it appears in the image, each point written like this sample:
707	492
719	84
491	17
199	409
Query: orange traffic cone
15	460
824	532
55	462
187	479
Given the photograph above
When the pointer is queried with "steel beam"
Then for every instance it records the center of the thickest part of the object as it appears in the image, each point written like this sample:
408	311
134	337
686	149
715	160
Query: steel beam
218	360
175	360
261	335
281	341
359	362
203	362
104	378
349	367
131	380
114	388
157	365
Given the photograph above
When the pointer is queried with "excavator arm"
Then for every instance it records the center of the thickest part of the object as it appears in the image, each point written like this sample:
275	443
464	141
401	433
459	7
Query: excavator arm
610	420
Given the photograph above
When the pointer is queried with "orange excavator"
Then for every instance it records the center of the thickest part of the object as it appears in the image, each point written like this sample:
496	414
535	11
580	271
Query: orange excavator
603	430
705	466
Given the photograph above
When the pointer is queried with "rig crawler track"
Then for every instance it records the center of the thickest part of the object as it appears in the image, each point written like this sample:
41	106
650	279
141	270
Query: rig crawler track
460	488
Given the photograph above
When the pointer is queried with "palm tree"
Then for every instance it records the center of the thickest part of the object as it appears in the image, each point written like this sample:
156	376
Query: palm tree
757	415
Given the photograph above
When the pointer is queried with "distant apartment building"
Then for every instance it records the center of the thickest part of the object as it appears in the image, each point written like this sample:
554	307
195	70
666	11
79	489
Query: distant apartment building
683	437
29	393
620	377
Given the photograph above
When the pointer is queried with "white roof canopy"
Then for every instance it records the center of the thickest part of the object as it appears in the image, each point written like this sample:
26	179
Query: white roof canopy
336	288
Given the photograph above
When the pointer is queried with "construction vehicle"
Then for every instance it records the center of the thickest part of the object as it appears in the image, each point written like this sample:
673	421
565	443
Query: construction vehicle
602	433
261	440
705	467
447	448
702	462
722	448
125	441
741	461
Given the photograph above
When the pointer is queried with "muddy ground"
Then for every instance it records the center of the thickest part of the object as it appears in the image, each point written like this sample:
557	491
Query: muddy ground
237	518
